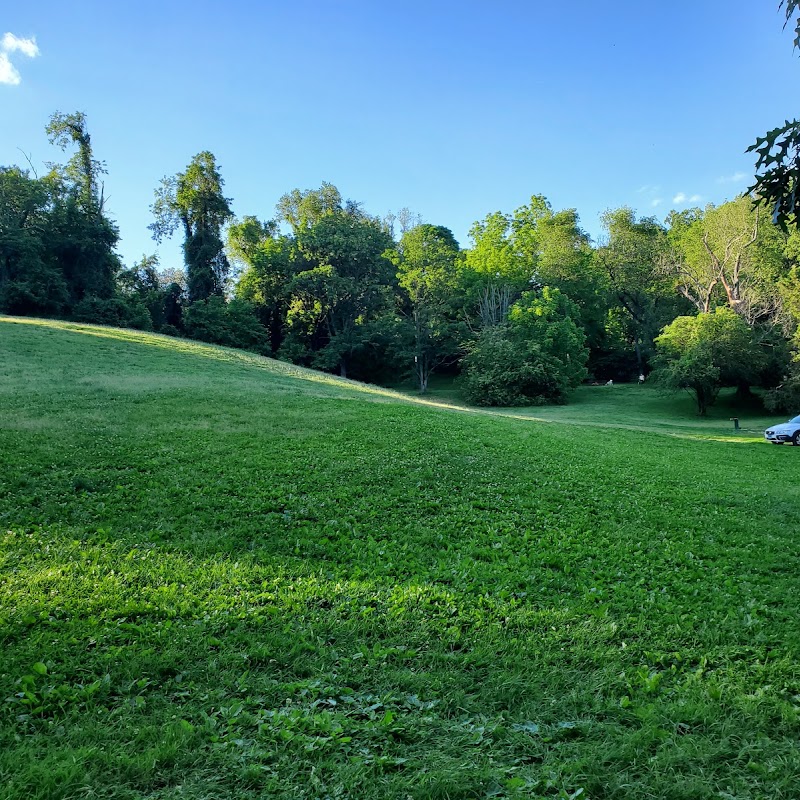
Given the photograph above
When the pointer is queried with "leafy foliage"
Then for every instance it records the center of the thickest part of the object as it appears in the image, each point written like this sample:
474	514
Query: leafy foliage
233	324
704	353
193	201
427	259
537	357
56	243
778	162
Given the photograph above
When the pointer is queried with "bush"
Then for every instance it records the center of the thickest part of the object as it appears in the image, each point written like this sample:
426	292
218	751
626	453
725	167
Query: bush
119	311
169	330
232	324
31	298
538	357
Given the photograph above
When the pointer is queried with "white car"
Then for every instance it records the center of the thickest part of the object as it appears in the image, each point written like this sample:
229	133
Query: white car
785	432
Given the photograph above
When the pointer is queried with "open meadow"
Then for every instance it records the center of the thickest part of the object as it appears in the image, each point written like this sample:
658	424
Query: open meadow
223	576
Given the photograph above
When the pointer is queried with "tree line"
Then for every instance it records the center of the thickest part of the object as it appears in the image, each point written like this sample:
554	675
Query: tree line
525	313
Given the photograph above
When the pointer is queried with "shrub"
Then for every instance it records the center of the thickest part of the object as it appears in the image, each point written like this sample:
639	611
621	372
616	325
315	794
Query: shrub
32	297
537	357
120	311
169	330
232	324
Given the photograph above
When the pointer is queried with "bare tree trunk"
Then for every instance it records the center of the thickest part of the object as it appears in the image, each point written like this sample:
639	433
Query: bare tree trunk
494	304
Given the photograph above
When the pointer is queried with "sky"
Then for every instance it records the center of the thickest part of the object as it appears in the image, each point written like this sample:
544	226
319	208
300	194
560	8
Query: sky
452	109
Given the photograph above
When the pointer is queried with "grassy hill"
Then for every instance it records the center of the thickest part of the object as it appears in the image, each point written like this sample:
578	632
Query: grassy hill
225	577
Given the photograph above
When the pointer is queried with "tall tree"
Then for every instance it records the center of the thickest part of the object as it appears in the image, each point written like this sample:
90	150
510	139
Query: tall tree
538	355
193	200
83	170
270	263
630	258
426	260
345	280
30	281
496	270
728	255
341	279
302	209
81	237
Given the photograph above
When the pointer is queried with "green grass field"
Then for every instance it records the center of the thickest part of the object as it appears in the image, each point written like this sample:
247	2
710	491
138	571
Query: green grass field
226	577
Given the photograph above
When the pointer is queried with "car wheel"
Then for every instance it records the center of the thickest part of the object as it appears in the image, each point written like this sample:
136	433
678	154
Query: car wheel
796	438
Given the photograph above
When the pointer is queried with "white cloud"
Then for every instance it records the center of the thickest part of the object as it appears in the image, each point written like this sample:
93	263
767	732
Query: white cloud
27	47
9	74
737	177
656	201
682	198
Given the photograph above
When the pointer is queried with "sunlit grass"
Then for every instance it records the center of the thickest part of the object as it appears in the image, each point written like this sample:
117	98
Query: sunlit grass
223	576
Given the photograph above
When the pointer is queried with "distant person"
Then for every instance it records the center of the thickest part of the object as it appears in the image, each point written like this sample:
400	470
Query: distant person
609	383
641	378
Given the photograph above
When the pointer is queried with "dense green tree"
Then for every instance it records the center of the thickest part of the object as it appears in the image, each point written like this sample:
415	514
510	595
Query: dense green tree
427	270
31	281
703	353
533	247
81	238
270	263
158	293
83	170
728	255
496	270
630	259
232	324
537	356
193	200
343	281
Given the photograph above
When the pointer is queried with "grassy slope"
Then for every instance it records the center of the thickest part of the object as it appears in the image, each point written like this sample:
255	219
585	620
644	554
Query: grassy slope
224	577
634	408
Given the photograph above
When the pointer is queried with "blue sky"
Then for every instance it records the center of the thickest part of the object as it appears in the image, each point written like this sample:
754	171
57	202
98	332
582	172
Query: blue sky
453	109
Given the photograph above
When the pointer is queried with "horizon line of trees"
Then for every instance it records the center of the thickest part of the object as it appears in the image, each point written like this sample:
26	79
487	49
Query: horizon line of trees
528	311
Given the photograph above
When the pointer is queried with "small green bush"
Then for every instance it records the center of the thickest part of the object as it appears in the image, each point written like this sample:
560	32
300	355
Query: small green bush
120	311
233	324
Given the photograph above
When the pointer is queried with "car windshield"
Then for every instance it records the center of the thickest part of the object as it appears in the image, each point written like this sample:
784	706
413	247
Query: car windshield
795	419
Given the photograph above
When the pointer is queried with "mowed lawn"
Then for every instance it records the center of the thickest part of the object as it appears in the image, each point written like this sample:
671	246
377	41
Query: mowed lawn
225	577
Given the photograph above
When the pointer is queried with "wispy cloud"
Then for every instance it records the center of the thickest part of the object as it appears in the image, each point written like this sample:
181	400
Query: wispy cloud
10	43
682	198
651	194
737	177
